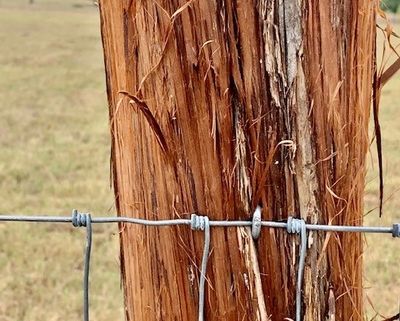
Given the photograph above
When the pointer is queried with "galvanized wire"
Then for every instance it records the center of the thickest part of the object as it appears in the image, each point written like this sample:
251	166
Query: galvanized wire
201	223
78	220
394	230
298	226
87	268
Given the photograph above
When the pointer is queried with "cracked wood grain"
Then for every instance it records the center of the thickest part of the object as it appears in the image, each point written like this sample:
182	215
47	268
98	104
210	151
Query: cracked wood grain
217	107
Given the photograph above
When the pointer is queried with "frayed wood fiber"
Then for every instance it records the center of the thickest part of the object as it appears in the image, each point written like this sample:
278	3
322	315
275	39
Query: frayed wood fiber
217	107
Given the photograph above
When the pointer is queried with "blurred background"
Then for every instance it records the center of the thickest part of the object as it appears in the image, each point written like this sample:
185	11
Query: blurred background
54	156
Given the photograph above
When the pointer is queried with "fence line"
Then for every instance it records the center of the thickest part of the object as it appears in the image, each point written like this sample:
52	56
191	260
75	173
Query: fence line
201	223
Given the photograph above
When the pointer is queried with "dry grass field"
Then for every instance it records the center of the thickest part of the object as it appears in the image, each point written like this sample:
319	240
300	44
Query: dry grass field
54	144
54	156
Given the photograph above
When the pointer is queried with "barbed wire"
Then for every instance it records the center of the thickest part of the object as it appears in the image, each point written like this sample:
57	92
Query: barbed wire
202	223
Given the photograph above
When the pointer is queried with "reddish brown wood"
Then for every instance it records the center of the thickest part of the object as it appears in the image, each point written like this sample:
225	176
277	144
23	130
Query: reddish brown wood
218	106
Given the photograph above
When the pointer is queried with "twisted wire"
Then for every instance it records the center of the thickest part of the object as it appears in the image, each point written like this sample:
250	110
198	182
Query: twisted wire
298	226
201	223
79	220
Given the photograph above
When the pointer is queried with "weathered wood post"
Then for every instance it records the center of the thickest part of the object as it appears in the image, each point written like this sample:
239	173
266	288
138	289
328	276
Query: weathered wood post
234	104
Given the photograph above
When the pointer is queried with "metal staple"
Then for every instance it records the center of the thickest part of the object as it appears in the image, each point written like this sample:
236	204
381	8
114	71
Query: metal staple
201	223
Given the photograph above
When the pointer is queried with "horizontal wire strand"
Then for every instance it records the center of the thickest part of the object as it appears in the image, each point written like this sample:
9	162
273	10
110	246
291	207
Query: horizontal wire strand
213	223
200	223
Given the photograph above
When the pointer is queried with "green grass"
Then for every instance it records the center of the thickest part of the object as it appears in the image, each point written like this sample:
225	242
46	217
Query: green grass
54	143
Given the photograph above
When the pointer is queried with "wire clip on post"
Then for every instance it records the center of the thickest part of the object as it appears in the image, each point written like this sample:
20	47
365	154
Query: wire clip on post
256	223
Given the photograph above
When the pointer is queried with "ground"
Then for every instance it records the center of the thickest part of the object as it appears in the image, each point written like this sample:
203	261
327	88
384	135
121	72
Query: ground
54	143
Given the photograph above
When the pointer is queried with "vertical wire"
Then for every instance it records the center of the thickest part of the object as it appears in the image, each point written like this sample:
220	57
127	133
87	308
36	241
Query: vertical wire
300	273
88	250
202	281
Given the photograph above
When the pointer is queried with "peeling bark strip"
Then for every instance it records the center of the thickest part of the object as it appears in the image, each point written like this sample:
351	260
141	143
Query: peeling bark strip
217	107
